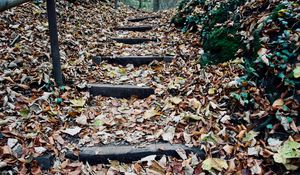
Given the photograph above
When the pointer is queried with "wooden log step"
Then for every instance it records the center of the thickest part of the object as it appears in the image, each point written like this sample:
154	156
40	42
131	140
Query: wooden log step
120	91
128	154
135	28
135	60
138	19
134	40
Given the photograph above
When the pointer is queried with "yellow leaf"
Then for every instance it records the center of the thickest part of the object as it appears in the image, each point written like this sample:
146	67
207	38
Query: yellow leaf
175	100
211	91
282	11
214	163
192	116
78	102
181	46
150	113
278	103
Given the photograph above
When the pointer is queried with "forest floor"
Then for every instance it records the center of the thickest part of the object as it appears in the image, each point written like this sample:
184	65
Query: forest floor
191	105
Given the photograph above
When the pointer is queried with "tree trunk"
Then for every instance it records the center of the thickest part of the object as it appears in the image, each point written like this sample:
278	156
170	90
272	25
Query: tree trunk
6	4
155	5
140	4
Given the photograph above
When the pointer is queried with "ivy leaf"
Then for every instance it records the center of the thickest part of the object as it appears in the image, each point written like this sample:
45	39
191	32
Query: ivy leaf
281	75
250	136
296	72
290	150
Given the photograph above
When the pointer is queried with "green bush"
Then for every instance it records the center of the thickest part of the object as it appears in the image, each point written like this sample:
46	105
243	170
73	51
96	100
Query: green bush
271	49
218	43
274	70
221	46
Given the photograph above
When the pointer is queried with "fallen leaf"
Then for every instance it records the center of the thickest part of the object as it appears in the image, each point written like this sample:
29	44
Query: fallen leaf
274	142
250	136
296	72
214	163
72	131
11	142
181	152
40	149
150	113
155	167
148	159
175	100
78	102
169	133
278	103
191	116
228	149
3	164
82	120
289	150
211	91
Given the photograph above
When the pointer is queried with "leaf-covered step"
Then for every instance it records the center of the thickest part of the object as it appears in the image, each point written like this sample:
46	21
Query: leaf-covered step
134	40
120	91
142	28
138	19
127	153
135	60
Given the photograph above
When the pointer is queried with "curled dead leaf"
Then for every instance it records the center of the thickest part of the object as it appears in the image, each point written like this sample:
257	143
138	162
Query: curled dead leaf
278	103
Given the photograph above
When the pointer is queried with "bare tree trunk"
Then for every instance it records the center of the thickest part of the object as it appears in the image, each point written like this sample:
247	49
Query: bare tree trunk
54	42
155	5
6	4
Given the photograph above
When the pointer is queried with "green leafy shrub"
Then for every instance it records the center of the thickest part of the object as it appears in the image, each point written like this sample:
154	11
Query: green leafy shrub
277	59
221	45
270	47
221	14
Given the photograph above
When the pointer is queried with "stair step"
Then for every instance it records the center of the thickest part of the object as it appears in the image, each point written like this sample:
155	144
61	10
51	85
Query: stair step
135	28
138	19
127	153
134	40
135	60
120	91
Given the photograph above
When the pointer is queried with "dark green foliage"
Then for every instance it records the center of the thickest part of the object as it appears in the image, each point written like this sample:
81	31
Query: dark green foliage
275	13
274	72
221	45
256	43
276	76
221	14
271	49
218	14
184	18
